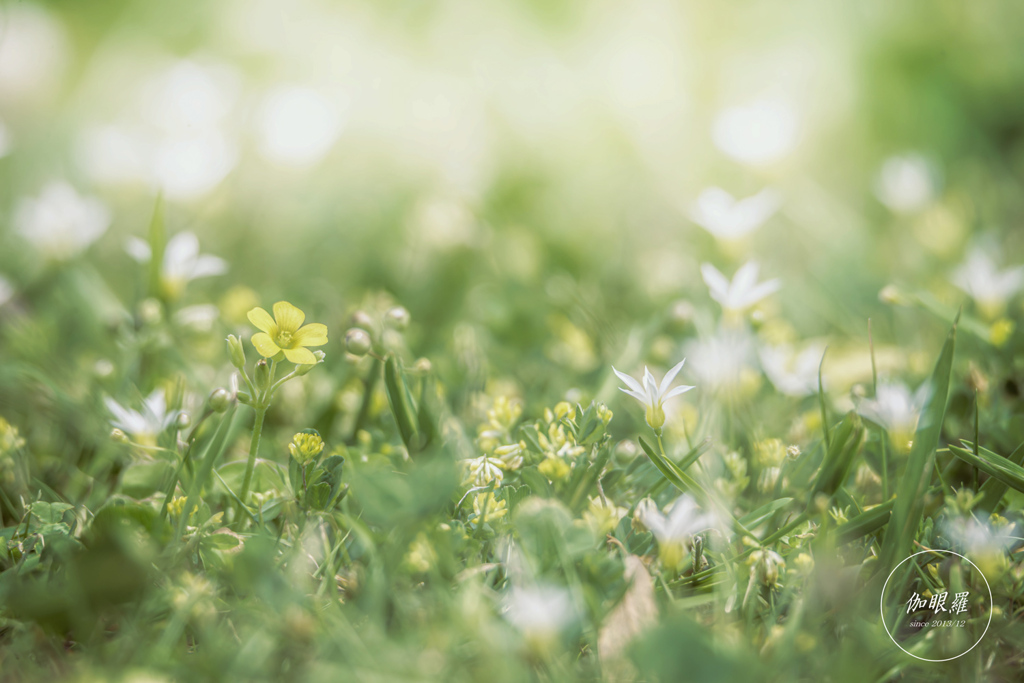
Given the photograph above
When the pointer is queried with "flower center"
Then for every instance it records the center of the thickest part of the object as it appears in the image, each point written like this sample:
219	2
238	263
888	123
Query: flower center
284	338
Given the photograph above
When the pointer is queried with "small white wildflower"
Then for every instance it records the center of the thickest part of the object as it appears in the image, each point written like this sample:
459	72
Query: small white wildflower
724	361
794	373
146	424
684	519
906	183
182	261
60	222
743	291
760	133
983	281
895	409
652	394
539	611
199	318
728	218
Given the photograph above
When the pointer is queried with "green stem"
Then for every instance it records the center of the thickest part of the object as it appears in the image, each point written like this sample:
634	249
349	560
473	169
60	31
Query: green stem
254	445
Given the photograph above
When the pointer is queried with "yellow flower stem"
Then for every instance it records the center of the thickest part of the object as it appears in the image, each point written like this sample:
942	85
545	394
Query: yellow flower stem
260	403
254	445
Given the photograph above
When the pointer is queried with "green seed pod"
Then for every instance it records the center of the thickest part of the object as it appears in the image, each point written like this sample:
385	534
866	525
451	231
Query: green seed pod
261	376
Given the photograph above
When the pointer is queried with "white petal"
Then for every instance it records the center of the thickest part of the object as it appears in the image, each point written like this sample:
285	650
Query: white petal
206	266
638	395
681	389
759	292
138	249
180	252
630	382
744	279
666	381
716	282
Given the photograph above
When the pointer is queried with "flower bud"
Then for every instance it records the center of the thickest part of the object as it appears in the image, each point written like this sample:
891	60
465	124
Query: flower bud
358	342
184	420
244	397
305	446
362	319
119	436
303	369
236	352
261	376
397	317
219	400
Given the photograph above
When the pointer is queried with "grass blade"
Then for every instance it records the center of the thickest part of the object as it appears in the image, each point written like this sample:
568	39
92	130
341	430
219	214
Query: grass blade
910	493
1002	469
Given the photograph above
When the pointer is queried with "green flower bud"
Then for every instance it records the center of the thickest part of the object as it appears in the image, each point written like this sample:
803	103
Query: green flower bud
261	375
184	420
305	446
362	320
397	317
119	436
358	342
236	352
219	400
244	397
303	369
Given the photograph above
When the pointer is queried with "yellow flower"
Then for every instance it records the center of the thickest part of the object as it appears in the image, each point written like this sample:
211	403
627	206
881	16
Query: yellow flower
305	446
285	333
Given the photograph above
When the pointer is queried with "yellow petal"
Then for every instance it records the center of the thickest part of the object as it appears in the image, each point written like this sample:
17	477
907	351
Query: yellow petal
300	356
313	334
262	320
288	317
265	345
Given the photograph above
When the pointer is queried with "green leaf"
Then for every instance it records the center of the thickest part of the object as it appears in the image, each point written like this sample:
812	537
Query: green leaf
319	495
429	414
994	489
1002	469
221	541
401	403
212	452
867	522
764	512
514	495
681	480
842	451
910	494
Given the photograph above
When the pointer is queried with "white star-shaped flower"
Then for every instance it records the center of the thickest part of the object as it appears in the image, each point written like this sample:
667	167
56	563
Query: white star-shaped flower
743	291
684	519
60	222
896	410
652	394
728	218
983	281
146	424
182	261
